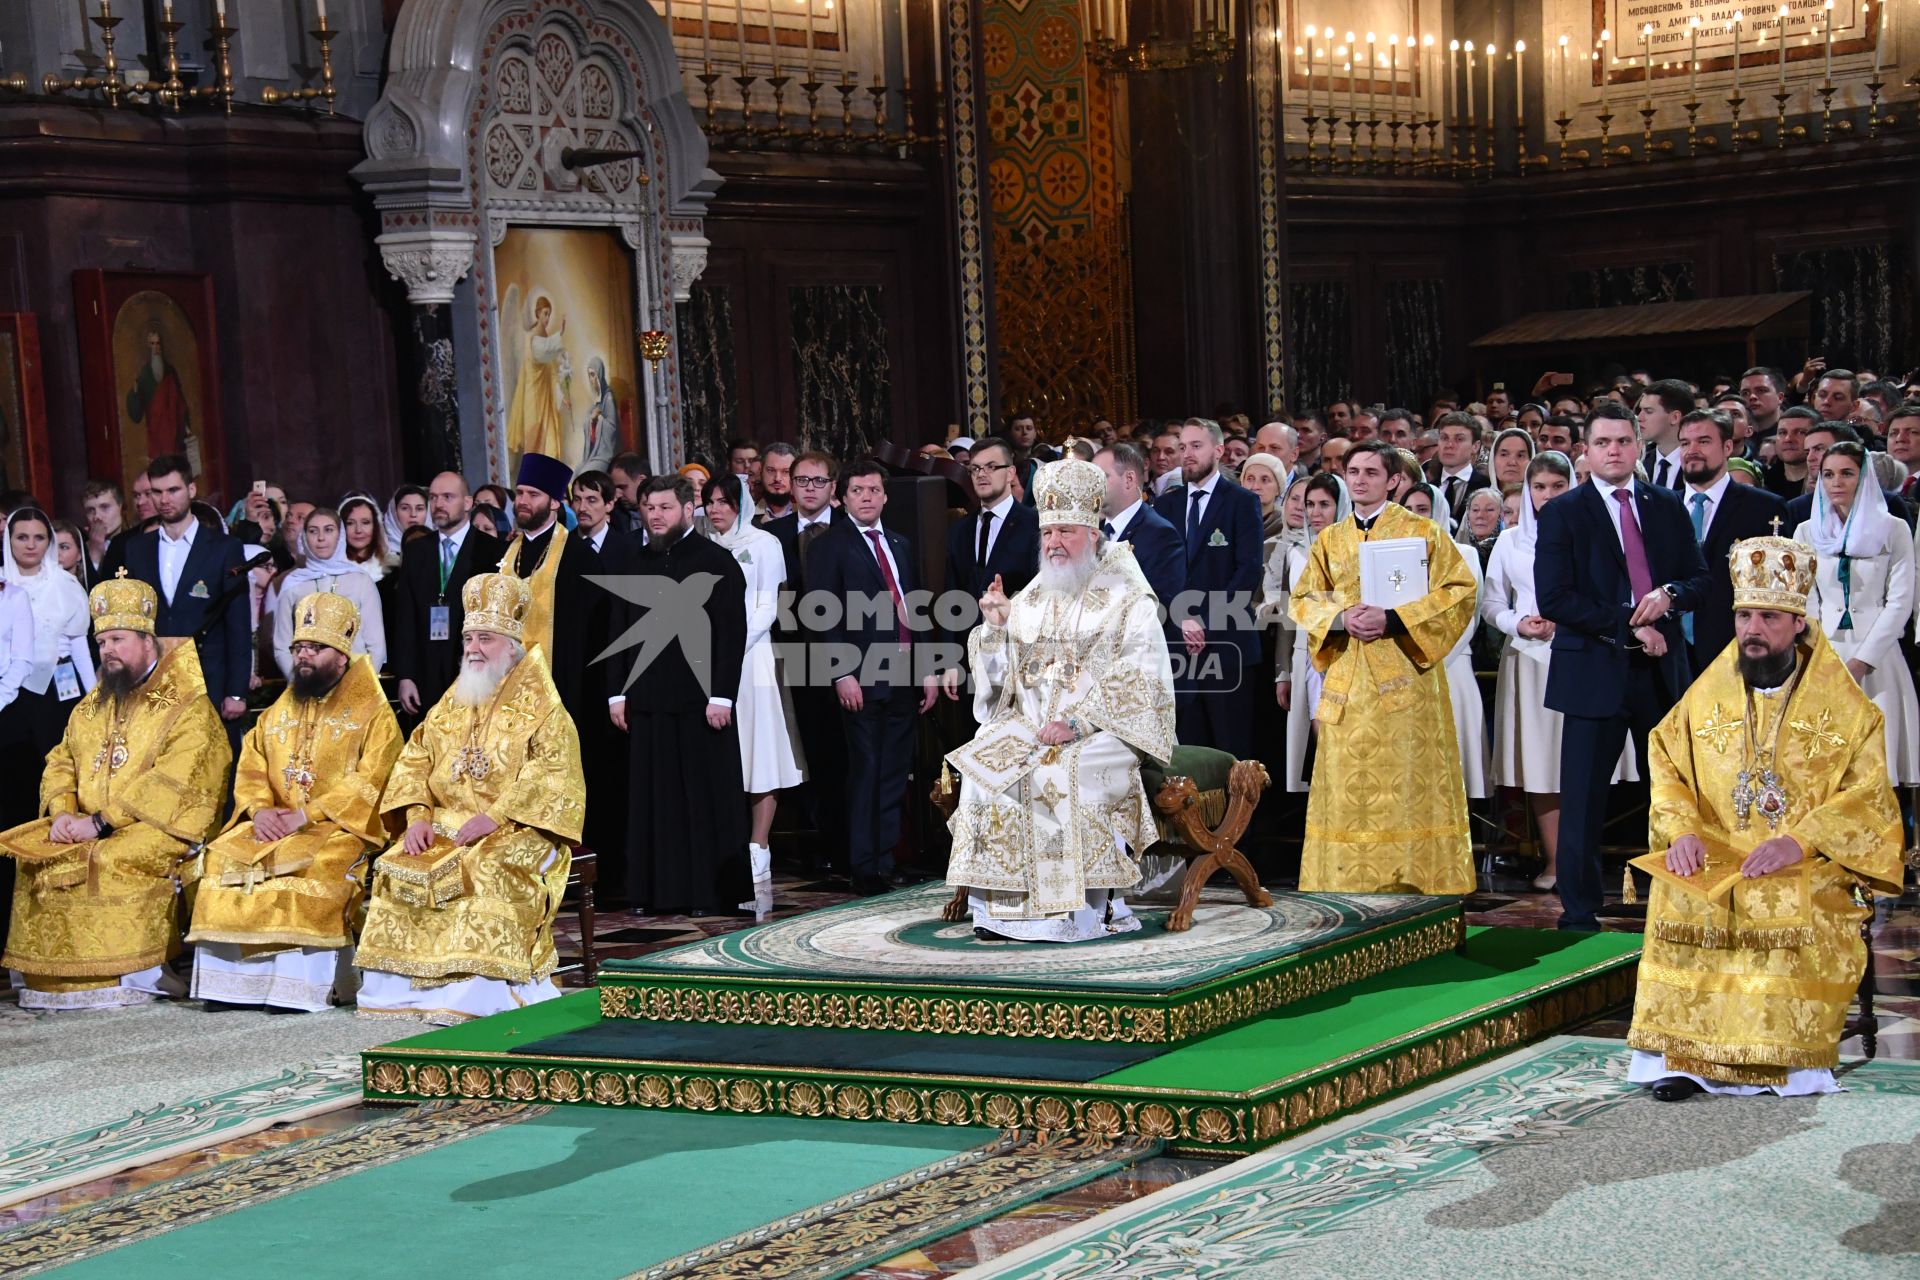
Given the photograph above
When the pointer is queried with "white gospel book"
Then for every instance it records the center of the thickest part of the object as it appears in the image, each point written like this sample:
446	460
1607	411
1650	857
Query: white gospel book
1393	572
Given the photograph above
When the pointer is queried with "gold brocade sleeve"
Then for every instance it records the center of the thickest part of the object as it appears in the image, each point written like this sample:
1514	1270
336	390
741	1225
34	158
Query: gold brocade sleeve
1132	690
549	792
1318	600
1858	825
60	779
409	783
1436	621
182	787
252	782
1673	808
352	800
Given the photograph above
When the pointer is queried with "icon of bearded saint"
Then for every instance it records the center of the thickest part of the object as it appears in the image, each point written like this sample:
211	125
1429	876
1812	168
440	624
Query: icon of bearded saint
157	401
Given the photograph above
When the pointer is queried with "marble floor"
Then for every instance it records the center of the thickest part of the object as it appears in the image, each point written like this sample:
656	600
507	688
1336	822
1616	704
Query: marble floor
1896	962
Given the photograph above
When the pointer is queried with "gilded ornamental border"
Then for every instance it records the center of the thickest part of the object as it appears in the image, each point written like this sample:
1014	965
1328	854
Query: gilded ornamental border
1083	1017
1194	1121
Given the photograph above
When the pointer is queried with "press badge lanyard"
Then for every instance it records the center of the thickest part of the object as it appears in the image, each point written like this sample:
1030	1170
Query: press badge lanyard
439	616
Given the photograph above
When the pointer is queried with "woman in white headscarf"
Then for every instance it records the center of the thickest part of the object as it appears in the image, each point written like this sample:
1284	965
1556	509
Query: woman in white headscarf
363	538
1297	688
1469	713
1526	732
770	756
1863	593
327	568
59	665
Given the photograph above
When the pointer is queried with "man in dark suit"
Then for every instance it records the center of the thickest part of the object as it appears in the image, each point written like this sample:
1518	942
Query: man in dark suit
1220	525
423	632
1000	540
1452	468
871	571
1822	436
815	708
1157	545
1662	407
1722	513
1615	567
201	578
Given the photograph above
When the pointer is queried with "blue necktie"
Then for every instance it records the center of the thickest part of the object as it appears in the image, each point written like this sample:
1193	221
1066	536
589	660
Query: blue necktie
1699	514
1193	520
1106	529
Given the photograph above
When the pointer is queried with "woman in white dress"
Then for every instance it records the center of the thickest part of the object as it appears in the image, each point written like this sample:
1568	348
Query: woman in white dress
327	568
770	758
1526	732
1863	594
60	662
1326	504
1469	714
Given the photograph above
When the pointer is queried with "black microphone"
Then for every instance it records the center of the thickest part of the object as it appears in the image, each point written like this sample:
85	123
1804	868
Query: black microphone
264	558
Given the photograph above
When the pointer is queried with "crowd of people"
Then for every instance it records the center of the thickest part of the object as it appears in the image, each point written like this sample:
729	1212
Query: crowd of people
729	688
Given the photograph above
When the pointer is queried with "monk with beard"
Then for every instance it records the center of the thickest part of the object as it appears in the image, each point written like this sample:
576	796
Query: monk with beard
489	788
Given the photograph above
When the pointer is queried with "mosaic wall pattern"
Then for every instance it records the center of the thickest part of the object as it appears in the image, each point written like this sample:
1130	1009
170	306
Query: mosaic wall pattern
841	370
708	376
1058	239
1862	312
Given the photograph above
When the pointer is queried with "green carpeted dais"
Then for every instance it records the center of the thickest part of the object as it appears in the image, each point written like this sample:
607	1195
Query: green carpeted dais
505	1190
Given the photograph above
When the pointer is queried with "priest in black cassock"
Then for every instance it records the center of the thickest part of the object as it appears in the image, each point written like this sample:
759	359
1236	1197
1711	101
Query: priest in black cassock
680	624
568	620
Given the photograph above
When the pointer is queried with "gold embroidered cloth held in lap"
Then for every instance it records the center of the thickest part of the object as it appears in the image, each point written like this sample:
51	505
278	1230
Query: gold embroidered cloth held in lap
1387	808
532	786
157	772
1747	990
329	758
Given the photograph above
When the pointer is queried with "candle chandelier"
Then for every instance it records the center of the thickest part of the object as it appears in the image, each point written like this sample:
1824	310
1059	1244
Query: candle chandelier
1171	35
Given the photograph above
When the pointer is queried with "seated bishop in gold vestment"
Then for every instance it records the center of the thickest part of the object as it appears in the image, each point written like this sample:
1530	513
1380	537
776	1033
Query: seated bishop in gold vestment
1387	808
137	781
460	917
1772	808
277	893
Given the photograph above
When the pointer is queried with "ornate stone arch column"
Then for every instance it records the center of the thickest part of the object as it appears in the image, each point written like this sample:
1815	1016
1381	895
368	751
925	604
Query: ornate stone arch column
483	98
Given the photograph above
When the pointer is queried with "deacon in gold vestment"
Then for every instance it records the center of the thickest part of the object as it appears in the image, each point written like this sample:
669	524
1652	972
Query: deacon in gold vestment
274	907
1769	779
1072	687
460	920
1387	807
136	782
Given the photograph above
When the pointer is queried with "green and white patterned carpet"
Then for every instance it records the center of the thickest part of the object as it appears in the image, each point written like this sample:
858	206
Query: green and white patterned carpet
1546	1162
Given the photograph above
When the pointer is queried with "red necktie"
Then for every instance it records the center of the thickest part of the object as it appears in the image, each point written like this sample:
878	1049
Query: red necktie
1637	571
893	588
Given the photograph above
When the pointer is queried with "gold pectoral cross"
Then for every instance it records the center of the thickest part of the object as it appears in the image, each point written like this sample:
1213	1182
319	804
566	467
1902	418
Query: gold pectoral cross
1718	730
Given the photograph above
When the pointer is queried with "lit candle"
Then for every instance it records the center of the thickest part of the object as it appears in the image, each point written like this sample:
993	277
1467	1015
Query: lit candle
169	13
1783	48
1491	64
1646	39
319	5
1470	115
1520	81
1880	43
1393	75
740	32
1736	53
1693	57
1311	32
773	41
1564	100
1600	56
1348	51
1370	57
219	10
706	38
1829	8
1453	83
906	61
1429	56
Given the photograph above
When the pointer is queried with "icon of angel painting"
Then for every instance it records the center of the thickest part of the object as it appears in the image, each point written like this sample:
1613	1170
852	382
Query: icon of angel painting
541	375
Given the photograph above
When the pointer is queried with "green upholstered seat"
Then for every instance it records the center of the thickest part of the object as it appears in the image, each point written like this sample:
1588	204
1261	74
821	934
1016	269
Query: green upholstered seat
1206	766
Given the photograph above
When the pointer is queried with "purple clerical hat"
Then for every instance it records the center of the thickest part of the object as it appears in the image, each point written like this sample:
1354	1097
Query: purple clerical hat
549	475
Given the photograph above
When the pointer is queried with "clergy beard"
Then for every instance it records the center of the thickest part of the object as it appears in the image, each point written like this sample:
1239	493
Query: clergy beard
475	686
1071	575
157	365
1769	670
310	684
118	682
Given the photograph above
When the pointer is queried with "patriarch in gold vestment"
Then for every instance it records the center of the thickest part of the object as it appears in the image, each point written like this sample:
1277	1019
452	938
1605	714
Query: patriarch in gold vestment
275	900
460	918
136	782
1387	807
1772	820
1073	688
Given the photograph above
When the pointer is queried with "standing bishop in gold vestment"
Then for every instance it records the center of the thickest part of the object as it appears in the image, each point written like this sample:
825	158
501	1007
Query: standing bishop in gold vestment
460	920
1387	809
274	907
136	782
1771	804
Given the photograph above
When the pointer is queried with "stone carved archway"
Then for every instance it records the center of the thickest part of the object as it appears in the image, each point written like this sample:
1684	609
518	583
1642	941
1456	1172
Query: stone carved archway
482	98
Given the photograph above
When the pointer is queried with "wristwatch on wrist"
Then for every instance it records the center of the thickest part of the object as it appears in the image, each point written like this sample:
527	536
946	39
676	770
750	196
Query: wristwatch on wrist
101	827
1673	592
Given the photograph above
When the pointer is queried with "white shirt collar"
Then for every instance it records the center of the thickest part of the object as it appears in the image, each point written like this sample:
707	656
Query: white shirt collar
806	521
1462	472
1606	487
185	539
865	529
1358	514
1000	508
1124	521
1714	491
1204	486
457	534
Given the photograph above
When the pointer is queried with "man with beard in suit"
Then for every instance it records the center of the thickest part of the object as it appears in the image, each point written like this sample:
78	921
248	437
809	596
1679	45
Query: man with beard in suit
1722	513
